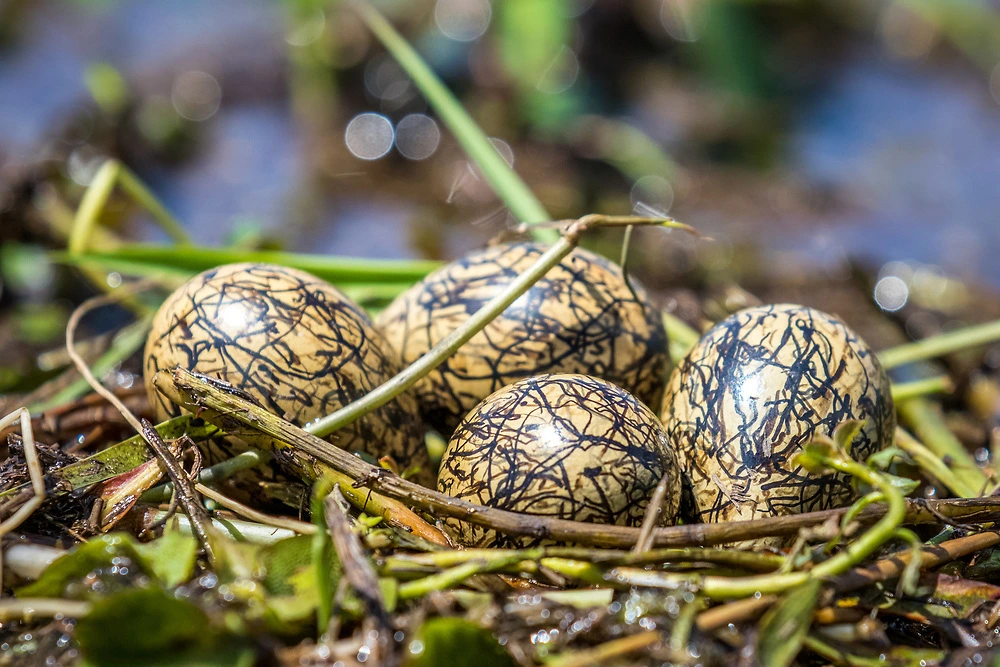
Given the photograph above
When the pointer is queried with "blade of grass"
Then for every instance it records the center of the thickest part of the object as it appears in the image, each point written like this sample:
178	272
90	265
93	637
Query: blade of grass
942	344
144	259
125	344
95	198
504	181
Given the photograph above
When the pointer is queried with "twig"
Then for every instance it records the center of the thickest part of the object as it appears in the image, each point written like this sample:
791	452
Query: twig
35	474
233	413
300	527
930	557
183	489
474	324
196	512
357	569
734	612
720	587
612	649
645	540
882	570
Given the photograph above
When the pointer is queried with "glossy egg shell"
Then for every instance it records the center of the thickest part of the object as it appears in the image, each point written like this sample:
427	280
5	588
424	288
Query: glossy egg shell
293	342
755	389
579	318
563	446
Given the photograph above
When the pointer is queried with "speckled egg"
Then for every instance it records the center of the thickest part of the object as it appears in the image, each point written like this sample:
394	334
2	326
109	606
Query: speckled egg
294	343
562	446
579	318
755	389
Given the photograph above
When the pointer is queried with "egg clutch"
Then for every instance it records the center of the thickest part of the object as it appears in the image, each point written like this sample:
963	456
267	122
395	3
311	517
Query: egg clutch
550	408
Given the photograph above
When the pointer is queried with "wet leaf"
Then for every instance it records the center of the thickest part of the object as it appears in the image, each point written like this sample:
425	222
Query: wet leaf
171	557
291	594
146	626
167	561
455	642
284	559
785	625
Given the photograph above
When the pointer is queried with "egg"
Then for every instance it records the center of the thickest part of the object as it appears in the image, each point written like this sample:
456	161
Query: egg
295	344
754	390
579	318
561	446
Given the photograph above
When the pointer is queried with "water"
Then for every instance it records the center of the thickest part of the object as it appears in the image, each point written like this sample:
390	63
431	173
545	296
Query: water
912	144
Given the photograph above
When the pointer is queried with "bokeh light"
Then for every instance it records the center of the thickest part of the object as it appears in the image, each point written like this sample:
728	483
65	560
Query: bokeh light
463	20
891	293
683	19
417	136
196	95
652	195
369	136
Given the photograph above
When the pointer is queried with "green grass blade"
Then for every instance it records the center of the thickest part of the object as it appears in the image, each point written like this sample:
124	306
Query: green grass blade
501	177
143	259
126	343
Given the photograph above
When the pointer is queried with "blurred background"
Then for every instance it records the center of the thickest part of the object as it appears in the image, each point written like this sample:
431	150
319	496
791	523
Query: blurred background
840	153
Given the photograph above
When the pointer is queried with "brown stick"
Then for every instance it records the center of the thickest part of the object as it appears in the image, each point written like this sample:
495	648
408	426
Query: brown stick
882	570
360	574
225	408
930	557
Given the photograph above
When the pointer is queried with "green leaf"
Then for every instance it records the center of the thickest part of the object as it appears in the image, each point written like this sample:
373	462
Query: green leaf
118	459
171	557
846	432
322	551
785	625
455	642
167	564
146	626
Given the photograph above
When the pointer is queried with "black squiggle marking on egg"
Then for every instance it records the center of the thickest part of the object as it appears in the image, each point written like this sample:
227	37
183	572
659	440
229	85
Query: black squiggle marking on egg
563	446
757	387
294	343
579	318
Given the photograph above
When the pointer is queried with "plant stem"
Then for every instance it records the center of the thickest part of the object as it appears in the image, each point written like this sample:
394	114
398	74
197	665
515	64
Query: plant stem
449	558
95	198
144	259
220	471
35	608
939	384
456	575
716	587
503	179
934	466
470	327
608	650
234	414
682	337
942	344
144	197
925	419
